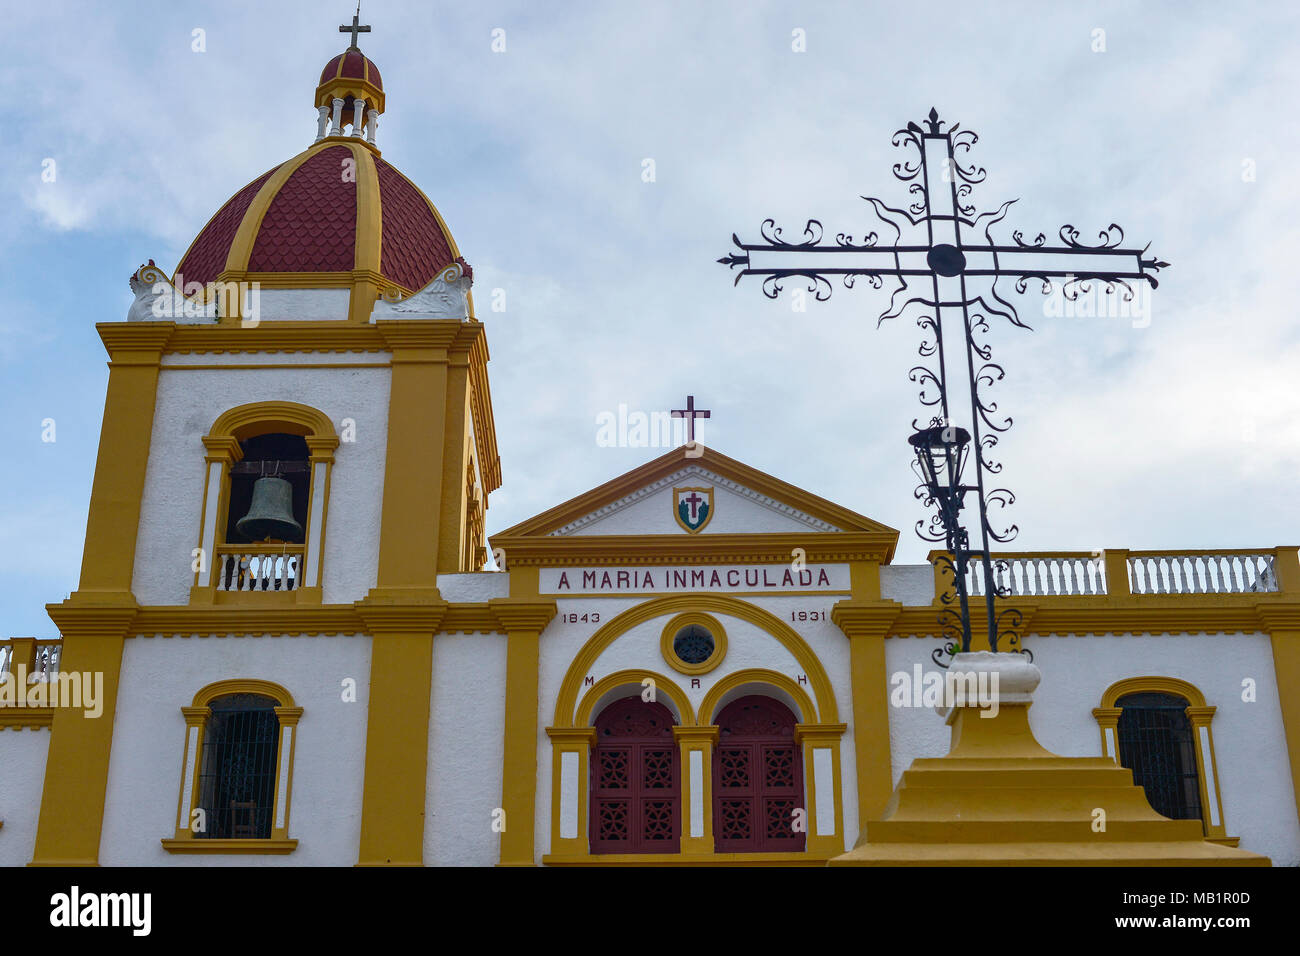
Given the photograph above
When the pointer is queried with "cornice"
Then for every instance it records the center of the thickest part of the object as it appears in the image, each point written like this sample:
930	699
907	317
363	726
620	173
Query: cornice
529	615
818	546
866	619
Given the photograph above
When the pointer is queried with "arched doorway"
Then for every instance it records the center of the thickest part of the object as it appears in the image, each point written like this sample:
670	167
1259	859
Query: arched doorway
757	778
635	786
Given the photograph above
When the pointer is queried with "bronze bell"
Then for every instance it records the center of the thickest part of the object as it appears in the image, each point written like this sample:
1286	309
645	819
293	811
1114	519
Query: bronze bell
271	513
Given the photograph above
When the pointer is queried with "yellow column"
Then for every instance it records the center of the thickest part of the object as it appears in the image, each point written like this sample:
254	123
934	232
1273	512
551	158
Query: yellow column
1283	623
699	741
866	624
577	741
523	619
823	836
95	620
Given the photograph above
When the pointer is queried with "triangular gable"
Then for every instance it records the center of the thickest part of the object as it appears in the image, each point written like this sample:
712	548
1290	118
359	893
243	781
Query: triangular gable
747	501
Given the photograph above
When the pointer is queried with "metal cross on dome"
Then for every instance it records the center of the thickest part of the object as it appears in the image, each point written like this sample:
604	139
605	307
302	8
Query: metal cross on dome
950	265
355	28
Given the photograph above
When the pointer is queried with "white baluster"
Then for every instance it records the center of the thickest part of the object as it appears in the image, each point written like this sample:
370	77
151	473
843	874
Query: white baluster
358	111
322	121
337	128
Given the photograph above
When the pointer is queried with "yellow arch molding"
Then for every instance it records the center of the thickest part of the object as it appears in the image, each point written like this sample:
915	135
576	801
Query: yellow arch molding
757	675
1157	685
243	685
290	417
635	676
818	680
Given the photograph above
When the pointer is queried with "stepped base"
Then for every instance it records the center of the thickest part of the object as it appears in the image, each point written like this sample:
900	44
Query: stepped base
1000	799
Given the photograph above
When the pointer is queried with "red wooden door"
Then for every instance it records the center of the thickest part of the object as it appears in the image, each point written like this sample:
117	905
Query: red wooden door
635	791
757	778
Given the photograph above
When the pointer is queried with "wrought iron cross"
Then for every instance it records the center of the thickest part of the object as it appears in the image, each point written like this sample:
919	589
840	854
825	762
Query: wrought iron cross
355	28
690	413
950	264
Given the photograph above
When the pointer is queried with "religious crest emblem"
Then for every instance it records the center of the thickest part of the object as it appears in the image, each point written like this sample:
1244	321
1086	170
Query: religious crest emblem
693	507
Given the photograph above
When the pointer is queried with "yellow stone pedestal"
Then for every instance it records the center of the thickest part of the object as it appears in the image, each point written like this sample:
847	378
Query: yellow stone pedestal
999	799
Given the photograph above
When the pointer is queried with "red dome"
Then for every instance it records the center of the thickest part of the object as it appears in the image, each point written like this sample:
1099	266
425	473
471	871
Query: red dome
351	64
309	220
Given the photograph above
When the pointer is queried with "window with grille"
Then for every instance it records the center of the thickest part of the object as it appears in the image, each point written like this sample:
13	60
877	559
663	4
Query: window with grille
757	778
1157	743
237	768
635	790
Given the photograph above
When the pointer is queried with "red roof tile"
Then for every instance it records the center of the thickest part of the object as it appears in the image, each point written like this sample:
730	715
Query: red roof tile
207	256
414	247
311	224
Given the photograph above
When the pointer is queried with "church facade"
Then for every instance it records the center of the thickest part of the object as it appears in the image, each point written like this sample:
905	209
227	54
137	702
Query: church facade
286	647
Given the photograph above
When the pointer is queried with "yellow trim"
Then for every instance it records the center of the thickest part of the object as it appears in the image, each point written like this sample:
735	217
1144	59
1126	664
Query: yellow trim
712	701
690	740
1198	713
243	421
632	677
369	236
866	623
578	740
715	603
1286	672
523	619
245	846
241	246
242	685
94	620
710	624
196	716
812	737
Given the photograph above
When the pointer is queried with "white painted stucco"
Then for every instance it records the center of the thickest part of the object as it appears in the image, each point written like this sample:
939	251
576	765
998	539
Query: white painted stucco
190	400
22	778
909	584
160	675
474	587
302	305
736	509
466	749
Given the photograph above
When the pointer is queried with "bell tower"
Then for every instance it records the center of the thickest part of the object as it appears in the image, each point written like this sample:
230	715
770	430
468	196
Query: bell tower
297	439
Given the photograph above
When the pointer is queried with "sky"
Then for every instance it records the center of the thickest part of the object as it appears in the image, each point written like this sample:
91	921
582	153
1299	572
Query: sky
1180	430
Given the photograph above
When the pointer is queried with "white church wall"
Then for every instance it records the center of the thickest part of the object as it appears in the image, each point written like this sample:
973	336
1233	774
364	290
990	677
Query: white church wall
160	675
737	510
474	587
909	584
303	305
1249	740
466	749
190	400
22	781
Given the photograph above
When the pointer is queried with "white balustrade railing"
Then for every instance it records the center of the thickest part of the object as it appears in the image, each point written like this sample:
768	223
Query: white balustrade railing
6	654
246	569
1040	575
47	659
1186	573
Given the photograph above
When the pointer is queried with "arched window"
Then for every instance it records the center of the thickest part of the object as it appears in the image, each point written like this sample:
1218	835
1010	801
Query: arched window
1157	744
757	778
237	770
263	517
635	787
1161	728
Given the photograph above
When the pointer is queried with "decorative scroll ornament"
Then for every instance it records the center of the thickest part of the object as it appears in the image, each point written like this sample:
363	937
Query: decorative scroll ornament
157	300
445	297
944	259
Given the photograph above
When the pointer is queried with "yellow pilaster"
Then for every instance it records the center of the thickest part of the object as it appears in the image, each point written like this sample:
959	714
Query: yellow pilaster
865	624
95	620
700	740
523	619
824	836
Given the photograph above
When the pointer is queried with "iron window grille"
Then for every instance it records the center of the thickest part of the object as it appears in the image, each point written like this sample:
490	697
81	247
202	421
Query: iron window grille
237	771
1156	742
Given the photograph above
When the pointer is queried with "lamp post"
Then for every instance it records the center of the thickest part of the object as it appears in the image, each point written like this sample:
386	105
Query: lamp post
950	265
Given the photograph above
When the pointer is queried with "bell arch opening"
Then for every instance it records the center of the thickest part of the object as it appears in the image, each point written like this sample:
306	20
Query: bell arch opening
269	490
